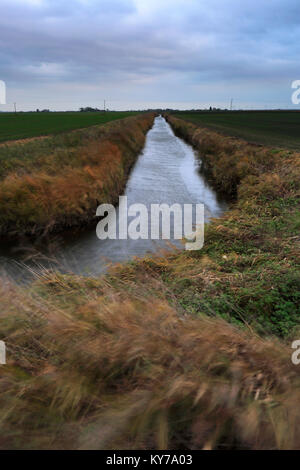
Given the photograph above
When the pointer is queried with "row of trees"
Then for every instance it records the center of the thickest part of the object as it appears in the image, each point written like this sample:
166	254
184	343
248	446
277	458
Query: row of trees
88	109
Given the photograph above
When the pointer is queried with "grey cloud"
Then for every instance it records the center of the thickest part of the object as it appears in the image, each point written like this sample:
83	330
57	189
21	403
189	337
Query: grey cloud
130	42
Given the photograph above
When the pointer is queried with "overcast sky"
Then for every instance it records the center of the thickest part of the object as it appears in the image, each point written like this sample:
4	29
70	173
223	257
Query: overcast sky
147	53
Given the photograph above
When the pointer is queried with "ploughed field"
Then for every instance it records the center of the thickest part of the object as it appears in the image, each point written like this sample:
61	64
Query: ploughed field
278	128
24	125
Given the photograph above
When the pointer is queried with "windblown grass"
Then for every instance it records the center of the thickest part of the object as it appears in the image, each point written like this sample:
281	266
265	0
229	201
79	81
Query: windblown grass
51	184
91	366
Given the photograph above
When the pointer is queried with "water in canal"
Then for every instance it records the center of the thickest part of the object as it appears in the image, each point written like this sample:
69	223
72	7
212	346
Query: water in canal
166	171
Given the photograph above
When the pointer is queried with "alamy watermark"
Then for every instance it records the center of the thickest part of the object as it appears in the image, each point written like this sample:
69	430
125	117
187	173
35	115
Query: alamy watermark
2	92
2	353
160	221
296	93
296	354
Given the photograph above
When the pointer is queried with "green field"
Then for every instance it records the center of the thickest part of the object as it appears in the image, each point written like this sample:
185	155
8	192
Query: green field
23	125
276	128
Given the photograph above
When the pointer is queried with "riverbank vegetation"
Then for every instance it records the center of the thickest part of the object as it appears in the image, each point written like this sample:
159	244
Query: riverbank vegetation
185	350
253	250
51	184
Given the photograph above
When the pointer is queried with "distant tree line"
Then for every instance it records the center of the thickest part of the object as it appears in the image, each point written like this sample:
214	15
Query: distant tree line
89	109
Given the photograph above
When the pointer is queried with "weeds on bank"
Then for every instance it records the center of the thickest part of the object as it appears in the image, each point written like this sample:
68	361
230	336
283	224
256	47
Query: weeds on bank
58	182
92	367
253	251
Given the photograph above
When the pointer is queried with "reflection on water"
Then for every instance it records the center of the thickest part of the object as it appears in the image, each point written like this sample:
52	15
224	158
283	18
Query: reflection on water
165	172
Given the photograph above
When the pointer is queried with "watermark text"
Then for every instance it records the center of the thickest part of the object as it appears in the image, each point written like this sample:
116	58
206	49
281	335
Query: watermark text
2	92
296	353
296	93
160	221
2	353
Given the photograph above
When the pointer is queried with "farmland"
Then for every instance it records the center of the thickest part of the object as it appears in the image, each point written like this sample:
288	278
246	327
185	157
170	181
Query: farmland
275	128
25	125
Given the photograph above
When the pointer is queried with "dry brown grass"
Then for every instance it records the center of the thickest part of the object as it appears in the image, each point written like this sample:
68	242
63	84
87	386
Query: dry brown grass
227	160
254	249
91	366
64	186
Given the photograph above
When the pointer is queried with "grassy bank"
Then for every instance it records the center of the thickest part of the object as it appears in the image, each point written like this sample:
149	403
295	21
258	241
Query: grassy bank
253	251
110	364
188	350
51	184
277	128
15	126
